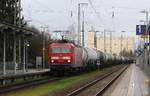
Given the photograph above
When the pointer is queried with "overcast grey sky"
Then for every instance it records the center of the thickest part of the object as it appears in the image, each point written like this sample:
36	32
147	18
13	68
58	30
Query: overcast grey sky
56	14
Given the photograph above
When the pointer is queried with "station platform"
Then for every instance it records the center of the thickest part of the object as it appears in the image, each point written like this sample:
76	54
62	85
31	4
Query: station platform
134	82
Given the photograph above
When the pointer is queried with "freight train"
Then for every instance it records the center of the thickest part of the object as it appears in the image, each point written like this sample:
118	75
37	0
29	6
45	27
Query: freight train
70	57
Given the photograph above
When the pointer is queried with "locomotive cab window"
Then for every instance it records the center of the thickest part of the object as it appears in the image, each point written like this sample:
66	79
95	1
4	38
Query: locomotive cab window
60	50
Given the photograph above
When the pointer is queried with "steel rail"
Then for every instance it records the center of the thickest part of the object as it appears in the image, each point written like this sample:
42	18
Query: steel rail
78	91
110	83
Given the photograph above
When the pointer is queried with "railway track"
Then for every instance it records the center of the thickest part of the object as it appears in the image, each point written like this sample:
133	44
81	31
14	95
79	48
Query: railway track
98	86
27	85
48	80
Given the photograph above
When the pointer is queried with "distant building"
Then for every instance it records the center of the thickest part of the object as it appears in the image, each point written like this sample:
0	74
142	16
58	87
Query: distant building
90	39
117	46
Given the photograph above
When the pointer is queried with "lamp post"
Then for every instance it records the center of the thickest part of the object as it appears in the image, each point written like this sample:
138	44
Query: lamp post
24	62
27	56
104	40
121	39
146	16
43	49
4	54
83	30
111	41
147	33
20	36
79	21
95	39
148	36
24	54
144	24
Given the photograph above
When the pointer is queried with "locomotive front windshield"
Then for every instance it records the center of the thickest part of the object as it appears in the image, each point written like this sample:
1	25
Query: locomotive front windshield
60	50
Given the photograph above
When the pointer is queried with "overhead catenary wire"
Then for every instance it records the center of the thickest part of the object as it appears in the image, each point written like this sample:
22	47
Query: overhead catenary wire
97	13
130	8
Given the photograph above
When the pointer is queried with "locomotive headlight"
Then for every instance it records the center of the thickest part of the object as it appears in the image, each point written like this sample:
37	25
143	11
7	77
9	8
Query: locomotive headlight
54	57
66	57
52	61
68	61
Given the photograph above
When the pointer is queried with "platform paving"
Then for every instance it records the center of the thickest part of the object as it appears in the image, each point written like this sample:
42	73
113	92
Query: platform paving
134	82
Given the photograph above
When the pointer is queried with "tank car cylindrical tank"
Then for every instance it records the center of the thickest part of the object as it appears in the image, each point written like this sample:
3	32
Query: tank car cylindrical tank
91	56
101	57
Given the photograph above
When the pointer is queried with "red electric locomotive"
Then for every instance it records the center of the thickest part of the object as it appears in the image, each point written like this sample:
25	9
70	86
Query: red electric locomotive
65	56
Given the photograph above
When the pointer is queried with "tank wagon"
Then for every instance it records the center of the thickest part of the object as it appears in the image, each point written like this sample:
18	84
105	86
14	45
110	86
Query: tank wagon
70	57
